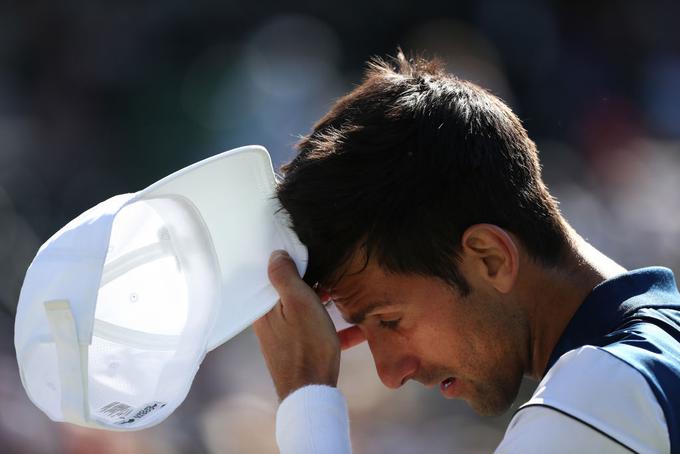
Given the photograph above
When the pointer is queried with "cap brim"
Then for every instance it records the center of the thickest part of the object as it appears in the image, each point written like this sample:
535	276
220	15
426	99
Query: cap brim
234	194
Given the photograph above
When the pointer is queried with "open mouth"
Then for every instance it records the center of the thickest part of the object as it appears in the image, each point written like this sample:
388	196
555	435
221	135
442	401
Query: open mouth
445	384
450	388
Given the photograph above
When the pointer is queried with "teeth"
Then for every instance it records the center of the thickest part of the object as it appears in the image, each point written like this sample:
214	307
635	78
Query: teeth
448	382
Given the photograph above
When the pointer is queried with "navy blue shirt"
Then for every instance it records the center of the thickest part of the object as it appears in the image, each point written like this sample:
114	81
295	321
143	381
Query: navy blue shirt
636	318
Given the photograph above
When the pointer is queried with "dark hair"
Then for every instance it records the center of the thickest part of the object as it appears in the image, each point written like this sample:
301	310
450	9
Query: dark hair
404	164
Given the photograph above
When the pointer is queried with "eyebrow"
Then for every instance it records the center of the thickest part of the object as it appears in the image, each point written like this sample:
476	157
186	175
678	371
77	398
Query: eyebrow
358	317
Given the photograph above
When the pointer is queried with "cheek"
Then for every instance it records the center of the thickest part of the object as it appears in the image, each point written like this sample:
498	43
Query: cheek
440	340
464	339
494	341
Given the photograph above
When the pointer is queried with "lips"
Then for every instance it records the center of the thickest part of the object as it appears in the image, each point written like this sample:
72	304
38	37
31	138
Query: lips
449	387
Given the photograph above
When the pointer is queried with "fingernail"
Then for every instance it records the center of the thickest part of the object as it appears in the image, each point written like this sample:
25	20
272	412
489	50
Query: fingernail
278	254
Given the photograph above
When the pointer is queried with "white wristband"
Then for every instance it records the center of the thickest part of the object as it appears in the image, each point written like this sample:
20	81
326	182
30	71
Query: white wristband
313	419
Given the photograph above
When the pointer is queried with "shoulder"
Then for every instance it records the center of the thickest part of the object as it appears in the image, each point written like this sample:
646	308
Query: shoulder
595	396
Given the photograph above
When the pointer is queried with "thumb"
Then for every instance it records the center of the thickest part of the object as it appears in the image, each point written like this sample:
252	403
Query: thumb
283	275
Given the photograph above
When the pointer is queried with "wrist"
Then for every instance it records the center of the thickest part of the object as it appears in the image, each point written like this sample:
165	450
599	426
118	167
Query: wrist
313	391
285	390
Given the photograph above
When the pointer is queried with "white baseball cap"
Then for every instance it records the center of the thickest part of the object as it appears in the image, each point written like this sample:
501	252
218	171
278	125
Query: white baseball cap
120	306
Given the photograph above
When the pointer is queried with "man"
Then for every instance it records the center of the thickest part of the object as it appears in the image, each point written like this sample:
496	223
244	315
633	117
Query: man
420	199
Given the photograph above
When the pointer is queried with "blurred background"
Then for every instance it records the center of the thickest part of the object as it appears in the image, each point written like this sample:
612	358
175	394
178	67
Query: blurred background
98	99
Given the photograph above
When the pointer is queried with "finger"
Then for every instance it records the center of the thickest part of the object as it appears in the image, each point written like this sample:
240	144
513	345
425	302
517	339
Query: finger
349	337
285	278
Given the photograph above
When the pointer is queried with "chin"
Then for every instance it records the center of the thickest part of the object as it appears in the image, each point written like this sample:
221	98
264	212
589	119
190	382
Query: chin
493	400
487	408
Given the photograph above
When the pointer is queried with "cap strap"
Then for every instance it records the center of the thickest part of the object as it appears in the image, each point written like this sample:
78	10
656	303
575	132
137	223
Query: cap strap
133	338
72	360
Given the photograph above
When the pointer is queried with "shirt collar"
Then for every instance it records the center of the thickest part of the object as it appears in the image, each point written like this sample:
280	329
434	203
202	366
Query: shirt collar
612	302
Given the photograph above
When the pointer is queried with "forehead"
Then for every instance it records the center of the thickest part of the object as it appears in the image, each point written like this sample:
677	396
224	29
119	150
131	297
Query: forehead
358	277
355	285
361	291
374	291
366	284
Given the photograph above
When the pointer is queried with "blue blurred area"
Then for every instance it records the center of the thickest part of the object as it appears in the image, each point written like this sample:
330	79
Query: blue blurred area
103	98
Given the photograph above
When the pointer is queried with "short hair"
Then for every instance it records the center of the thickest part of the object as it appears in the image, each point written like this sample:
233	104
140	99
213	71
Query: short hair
403	164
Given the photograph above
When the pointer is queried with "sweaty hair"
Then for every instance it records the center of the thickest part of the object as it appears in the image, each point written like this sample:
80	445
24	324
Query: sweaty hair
402	165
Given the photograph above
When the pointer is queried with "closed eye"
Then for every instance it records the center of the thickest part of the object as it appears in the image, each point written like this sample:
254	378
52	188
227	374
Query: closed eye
389	324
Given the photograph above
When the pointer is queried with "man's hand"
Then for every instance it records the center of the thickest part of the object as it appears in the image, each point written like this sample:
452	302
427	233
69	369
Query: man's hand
297	337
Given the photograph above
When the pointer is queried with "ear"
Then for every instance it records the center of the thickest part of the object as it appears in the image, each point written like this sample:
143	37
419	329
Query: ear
493	253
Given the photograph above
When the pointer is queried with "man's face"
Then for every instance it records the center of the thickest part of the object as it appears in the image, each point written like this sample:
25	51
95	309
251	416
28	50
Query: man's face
419	328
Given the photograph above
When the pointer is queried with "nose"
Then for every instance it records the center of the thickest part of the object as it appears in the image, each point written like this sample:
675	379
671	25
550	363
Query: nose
394	366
